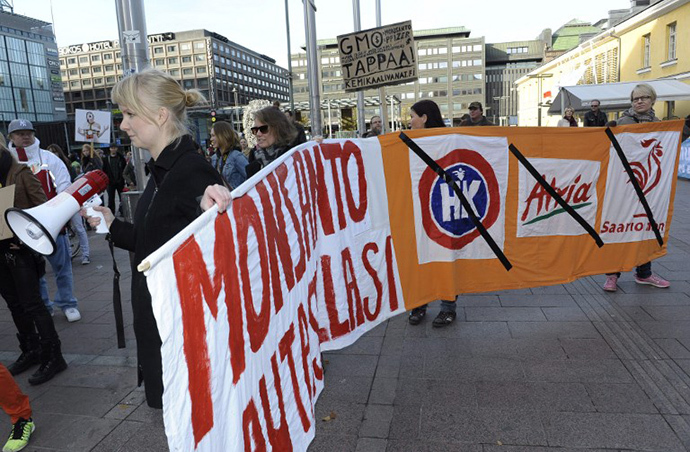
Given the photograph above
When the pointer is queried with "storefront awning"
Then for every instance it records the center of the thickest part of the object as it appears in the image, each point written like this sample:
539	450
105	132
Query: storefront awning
614	96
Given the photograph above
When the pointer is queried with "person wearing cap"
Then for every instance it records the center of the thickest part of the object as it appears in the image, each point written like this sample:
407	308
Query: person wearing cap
114	166
54	178
477	117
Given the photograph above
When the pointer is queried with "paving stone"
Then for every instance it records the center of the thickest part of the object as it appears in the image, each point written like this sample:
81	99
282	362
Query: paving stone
346	388
82	401
423	392
675	348
371	445
474	369
383	391
620	398
348	417
406	422
591	349
365	345
564	314
539	301
55	431
666	329
377	420
431	446
351	365
388	366
533	349
481	425
494	314
546	330
122	434
330	443
534	396
615	431
603	371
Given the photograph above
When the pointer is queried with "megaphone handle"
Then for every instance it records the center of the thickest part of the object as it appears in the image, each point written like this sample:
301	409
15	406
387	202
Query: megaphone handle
102	227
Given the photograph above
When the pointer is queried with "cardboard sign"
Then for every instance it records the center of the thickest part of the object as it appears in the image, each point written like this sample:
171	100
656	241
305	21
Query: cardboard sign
92	126
378	57
6	201
330	240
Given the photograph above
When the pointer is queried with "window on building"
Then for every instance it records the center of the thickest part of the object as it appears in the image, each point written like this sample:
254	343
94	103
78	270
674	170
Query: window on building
186	46
173	60
73	72
200	45
97	69
172	48
200	57
646	50
186	59
85	71
201	70
187	71
159	62
75	84
174	72
109	68
110	80
671	38
157	50
95	58
84	59
98	81
107	56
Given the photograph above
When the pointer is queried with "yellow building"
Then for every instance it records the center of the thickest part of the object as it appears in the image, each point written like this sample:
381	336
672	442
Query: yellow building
649	45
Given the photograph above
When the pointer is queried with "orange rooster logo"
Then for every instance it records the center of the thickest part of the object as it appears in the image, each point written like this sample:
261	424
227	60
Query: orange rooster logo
648	172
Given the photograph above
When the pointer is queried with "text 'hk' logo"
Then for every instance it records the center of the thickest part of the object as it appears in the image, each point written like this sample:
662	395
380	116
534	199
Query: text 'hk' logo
444	218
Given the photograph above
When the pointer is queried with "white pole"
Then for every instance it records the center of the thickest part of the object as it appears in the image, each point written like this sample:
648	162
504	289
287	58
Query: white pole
361	120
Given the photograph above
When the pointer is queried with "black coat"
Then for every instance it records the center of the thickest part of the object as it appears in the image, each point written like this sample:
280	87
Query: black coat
113	168
169	203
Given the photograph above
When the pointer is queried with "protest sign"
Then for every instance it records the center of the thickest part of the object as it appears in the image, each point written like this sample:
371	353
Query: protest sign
378	57
333	239
92	126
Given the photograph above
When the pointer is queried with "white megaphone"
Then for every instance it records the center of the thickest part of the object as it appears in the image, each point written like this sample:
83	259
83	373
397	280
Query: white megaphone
38	227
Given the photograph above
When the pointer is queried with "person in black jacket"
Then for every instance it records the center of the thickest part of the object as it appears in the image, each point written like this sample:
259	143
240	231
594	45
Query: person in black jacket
595	117
154	115
274	134
114	166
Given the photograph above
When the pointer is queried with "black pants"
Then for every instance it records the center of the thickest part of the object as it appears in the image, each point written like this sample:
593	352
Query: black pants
20	271
111	195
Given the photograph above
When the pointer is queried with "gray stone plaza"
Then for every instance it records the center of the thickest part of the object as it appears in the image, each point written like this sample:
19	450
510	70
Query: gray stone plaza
564	368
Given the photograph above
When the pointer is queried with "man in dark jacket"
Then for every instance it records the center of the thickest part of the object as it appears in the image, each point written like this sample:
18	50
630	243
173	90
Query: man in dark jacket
595	117
114	165
477	117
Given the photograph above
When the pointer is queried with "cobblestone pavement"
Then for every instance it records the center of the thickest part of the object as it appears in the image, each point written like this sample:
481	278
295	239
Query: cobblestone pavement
566	367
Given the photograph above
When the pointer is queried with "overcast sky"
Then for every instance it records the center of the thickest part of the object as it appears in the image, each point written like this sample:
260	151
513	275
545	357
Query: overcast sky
260	24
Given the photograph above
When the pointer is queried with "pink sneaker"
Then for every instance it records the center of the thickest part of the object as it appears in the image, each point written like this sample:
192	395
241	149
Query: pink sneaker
611	284
654	280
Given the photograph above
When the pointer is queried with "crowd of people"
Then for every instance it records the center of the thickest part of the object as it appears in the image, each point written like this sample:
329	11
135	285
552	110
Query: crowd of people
183	181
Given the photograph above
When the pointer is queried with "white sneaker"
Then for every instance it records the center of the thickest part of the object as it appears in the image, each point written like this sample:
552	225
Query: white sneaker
72	314
85	261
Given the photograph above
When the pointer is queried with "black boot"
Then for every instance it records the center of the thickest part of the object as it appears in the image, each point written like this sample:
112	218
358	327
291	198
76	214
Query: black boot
52	362
31	353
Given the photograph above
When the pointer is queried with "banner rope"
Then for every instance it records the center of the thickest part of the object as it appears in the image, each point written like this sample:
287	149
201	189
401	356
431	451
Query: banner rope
554	194
635	184
447	178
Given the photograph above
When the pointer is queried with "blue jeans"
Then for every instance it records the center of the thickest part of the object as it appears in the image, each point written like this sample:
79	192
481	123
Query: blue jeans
77	223
61	262
446	306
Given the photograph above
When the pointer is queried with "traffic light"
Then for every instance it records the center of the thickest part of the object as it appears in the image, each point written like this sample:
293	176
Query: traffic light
213	115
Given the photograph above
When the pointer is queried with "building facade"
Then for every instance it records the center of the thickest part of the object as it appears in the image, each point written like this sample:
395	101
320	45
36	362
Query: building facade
451	68
30	84
227	73
646	45
506	62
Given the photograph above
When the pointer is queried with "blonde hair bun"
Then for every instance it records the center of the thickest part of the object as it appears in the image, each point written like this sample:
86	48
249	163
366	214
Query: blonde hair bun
193	97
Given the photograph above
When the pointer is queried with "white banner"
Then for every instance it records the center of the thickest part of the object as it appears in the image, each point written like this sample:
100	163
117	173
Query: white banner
92	126
652	157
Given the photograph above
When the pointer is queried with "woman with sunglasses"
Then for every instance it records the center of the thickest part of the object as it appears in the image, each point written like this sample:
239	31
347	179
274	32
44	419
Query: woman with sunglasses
274	133
154	115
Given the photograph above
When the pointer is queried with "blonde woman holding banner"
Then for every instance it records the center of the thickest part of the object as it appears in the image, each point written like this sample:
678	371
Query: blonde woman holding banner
154	109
